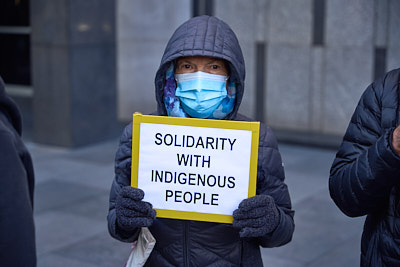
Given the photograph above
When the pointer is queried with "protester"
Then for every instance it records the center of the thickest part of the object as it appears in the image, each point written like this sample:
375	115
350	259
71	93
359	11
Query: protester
365	175
205	49
17	233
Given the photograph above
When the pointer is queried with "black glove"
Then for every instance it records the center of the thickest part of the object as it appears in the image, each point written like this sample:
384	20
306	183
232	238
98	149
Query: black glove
131	211
256	216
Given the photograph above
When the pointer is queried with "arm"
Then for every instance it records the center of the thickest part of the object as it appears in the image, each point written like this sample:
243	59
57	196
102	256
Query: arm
122	179
267	218
270	181
17	230
366	167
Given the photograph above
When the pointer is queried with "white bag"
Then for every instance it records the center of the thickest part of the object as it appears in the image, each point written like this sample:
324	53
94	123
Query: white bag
142	249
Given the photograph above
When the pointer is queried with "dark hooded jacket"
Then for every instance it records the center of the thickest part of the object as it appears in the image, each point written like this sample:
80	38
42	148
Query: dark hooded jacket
17	233
194	243
365	175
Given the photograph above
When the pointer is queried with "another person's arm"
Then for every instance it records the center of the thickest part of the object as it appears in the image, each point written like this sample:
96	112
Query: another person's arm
366	166
17	231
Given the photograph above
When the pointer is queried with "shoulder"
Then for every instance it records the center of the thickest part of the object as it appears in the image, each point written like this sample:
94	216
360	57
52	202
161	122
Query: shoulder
7	132
267	136
392	77
384	86
379	101
9	148
126	136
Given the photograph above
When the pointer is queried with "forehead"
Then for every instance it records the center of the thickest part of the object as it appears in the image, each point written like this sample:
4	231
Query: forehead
200	60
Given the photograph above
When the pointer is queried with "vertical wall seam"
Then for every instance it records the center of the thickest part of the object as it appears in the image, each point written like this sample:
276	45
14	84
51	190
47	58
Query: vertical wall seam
202	7
318	26
260	109
379	61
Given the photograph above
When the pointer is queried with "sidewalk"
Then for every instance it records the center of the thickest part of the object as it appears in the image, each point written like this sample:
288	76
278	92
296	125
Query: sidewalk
71	204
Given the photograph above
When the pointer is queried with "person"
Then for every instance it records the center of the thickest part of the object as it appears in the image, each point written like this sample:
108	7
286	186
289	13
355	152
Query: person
17	232
204	50
365	174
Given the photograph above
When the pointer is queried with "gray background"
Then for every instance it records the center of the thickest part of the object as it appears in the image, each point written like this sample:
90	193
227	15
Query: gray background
308	61
309	88
93	64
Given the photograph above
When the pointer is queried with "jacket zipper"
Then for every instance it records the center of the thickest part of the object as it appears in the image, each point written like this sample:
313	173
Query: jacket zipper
185	243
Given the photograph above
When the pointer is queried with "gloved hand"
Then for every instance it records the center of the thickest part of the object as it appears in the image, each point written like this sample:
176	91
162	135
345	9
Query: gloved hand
256	216
131	211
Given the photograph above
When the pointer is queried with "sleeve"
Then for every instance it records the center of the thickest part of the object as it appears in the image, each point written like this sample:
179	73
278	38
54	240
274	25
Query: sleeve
270	181
17	229
366	168
122	178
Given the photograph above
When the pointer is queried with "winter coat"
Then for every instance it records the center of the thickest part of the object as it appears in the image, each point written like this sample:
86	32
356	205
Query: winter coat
195	243
365	175
17	233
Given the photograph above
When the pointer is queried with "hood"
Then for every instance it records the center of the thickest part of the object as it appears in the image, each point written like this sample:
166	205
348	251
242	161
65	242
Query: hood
203	36
10	109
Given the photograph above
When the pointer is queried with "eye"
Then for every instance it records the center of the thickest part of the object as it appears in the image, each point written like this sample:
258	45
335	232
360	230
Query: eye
185	67
217	68
214	67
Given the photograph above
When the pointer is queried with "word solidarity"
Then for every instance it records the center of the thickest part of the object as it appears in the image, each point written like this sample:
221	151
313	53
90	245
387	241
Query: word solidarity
217	143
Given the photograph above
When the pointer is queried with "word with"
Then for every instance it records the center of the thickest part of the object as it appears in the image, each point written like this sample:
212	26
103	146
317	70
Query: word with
193	160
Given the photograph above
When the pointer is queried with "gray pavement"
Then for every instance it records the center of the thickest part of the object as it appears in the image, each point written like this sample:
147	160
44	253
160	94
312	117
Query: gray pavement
71	202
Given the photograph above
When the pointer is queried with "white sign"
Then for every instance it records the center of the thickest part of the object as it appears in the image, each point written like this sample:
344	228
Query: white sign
194	169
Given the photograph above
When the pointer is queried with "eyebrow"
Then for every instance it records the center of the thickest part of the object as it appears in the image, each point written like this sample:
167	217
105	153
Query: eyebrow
183	61
219	61
216	60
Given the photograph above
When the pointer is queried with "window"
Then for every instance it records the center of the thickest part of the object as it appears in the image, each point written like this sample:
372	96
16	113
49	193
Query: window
15	42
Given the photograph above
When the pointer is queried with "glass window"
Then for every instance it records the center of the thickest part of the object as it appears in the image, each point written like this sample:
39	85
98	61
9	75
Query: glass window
15	42
15	58
14	13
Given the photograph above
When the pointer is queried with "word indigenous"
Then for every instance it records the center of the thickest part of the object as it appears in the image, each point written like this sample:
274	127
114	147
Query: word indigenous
194	179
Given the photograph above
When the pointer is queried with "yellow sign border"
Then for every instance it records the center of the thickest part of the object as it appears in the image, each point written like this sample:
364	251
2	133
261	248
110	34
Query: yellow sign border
254	127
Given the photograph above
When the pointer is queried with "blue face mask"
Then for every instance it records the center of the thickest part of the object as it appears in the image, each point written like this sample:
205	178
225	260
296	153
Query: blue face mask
200	93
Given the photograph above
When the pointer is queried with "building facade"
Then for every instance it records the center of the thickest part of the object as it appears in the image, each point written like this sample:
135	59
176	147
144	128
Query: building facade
308	61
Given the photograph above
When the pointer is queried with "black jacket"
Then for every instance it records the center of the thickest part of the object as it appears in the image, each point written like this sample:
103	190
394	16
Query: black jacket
365	175
17	233
194	243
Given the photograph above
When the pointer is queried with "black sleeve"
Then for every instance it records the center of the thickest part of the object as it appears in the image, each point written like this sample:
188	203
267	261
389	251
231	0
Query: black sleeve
17	233
270	181
365	168
122	178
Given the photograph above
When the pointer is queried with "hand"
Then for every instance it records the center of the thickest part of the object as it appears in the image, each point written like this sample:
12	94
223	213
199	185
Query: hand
256	216
131	211
396	140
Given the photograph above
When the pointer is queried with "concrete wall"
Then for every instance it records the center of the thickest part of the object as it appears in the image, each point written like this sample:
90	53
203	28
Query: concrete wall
320	55
144	28
73	70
